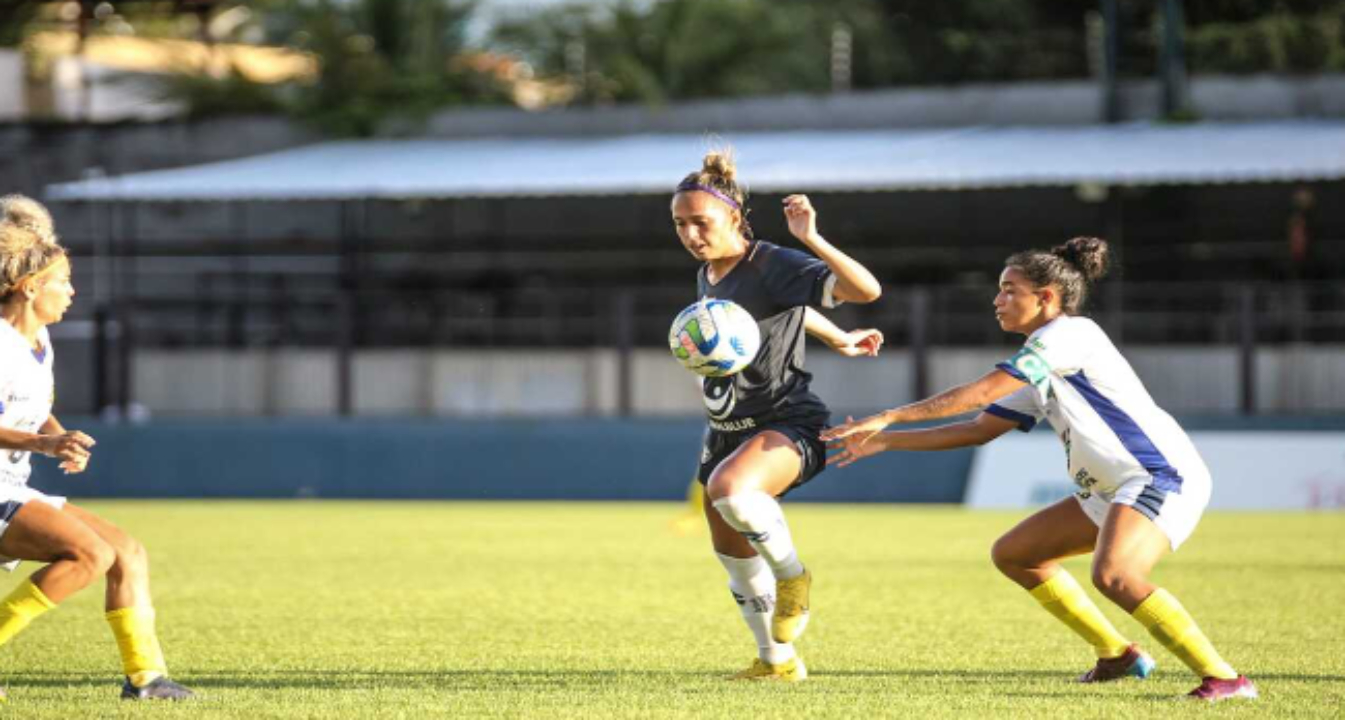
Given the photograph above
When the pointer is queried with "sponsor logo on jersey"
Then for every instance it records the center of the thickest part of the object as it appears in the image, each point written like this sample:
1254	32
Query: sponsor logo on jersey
720	397
738	425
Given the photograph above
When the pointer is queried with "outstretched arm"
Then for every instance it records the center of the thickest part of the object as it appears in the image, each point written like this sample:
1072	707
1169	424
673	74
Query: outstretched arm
854	282
974	395
855	343
979	431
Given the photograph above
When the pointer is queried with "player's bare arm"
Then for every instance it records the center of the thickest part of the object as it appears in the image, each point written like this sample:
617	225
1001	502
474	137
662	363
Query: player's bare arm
76	462
966	398
854	282
855	343
978	431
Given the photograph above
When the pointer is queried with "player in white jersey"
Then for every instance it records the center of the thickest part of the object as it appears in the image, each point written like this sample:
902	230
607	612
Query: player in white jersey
77	546
1142	485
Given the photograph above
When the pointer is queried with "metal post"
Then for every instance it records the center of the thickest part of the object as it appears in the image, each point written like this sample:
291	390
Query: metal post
1247	348
102	298
1172	60
101	396
842	52
624	326
1111	53
919	328
125	308
237	312
345	316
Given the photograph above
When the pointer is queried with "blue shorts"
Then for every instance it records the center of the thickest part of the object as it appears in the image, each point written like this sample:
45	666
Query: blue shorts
718	445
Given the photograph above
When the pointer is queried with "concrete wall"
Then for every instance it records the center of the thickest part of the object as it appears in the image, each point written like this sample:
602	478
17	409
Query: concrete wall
580	459
1072	102
13	105
536	383
445	459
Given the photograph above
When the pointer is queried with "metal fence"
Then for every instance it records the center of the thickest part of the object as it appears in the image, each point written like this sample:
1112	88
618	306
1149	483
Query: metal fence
250	310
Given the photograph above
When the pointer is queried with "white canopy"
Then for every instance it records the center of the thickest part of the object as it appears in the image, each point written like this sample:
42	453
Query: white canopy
871	160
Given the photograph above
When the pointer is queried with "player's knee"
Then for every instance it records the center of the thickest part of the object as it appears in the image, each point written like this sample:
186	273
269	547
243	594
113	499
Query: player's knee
131	557
1003	554
1110	579
724	484
94	556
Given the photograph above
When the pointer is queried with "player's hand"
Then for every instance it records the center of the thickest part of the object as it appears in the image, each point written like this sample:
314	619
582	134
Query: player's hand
69	446
862	429
801	216
74	467
852	447
859	343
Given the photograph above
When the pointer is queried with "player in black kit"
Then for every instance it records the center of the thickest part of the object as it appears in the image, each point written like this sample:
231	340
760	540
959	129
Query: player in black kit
764	423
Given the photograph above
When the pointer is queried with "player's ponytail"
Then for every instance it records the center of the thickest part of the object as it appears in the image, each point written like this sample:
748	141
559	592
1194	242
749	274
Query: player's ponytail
718	176
28	243
1071	268
1089	255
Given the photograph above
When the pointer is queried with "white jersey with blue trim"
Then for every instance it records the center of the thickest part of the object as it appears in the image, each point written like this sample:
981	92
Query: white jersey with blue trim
27	388
1112	430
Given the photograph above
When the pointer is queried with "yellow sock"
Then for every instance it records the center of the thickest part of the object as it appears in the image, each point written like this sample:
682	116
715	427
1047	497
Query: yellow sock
141	657
1062	597
1171	625
696	498
21	607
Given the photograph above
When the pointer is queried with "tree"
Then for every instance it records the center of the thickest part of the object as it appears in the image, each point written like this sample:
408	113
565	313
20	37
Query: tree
380	59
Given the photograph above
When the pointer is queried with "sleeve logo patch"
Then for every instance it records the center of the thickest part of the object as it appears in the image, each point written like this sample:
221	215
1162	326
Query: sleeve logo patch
1033	367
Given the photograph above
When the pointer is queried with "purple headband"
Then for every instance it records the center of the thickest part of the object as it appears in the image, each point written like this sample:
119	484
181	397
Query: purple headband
684	187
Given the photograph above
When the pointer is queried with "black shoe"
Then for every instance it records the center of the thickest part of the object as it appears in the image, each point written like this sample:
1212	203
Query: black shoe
160	688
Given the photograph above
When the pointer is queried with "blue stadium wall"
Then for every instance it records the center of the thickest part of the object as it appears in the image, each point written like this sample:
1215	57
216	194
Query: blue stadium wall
570	459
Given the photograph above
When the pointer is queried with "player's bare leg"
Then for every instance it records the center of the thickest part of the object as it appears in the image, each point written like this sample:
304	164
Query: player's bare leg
1129	545
130	613
1030	555
743	489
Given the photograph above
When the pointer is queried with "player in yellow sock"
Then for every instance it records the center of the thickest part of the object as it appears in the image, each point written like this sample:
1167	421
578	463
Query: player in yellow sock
1171	625
141	656
1142	485
77	545
1064	598
22	606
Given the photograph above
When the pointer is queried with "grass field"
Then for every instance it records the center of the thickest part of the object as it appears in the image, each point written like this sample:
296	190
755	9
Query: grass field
380	609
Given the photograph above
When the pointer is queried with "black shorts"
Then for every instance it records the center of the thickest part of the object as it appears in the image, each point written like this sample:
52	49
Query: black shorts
718	445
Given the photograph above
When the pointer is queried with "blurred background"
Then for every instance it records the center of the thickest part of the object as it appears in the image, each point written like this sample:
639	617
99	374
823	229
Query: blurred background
421	248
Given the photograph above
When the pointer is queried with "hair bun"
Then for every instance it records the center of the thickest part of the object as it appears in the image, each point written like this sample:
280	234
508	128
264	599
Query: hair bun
719	163
24	212
1090	255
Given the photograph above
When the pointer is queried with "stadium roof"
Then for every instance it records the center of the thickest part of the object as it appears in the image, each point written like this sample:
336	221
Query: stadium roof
815	161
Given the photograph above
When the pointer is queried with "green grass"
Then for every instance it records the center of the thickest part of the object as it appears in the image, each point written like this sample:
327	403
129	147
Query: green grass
381	609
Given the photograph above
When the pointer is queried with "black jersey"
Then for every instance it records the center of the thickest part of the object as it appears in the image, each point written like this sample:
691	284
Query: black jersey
775	285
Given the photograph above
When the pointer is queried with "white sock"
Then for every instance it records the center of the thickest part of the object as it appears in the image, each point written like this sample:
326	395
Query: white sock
753	588
759	518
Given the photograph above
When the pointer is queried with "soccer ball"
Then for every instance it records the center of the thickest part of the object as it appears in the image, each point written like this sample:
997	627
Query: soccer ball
714	338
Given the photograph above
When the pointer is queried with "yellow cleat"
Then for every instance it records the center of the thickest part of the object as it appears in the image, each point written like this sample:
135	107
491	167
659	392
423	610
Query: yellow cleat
791	607
791	670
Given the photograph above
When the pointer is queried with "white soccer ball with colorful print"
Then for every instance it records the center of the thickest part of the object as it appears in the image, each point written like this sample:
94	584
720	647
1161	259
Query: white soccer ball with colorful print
714	338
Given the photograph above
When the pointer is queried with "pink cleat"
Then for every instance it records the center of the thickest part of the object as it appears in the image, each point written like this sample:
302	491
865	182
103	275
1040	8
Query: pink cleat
1134	662
1213	689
